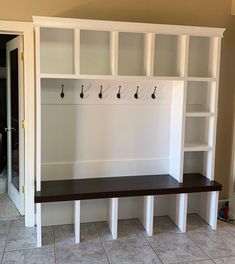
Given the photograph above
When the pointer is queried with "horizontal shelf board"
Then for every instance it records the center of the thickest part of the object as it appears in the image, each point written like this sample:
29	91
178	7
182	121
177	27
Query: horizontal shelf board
97	188
196	147
201	79
109	77
199	114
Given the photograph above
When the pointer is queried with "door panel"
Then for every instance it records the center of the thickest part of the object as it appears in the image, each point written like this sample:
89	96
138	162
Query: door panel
15	115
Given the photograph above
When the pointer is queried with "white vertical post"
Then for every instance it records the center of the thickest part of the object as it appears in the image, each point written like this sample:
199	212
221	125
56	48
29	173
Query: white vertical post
149	53
209	208
113	216
38	138
77	208
148	214
114	52
39	224
179	208
77	61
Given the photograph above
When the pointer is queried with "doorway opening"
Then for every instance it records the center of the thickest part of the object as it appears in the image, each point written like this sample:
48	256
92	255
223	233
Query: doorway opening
11	129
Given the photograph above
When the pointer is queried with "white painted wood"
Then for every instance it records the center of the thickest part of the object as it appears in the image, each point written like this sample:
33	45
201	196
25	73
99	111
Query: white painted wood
126	26
196	147
38	111
149	53
199	114
199	53
114	53
113	216
166	56
131	54
148	214
95	52
209	208
39	224
77	221
76	52
109	77
200	97
103	168
15	190
176	132
178	210
126	53
56	50
26	29
214	104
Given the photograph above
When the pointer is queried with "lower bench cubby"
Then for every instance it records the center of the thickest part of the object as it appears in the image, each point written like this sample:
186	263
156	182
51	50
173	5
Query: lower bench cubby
145	189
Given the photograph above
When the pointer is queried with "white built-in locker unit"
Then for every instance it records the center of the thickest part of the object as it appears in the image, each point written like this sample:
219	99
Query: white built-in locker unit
173	133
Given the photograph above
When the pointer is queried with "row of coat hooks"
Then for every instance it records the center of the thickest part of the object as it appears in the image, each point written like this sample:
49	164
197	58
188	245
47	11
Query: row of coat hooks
100	95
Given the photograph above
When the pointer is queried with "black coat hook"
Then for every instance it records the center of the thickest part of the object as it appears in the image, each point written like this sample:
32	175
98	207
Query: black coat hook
62	91
82	94
100	93
119	92
153	94
136	93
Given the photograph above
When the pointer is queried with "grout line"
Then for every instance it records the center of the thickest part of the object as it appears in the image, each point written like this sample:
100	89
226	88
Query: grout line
199	246
106	254
4	250
146	238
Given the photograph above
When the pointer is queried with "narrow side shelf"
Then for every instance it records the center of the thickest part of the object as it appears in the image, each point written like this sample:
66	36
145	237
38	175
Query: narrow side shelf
95	188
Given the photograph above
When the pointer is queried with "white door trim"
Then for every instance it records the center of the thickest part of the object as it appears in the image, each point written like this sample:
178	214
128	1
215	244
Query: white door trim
26	29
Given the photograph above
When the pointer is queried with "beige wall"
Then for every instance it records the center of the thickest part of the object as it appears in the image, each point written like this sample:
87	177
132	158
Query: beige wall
215	13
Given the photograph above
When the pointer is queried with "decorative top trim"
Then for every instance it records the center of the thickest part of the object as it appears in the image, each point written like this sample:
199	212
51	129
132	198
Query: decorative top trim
71	23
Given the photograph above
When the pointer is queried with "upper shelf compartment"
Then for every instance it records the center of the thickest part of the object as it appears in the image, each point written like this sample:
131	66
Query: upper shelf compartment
57	51
131	54
95	52
166	55
203	55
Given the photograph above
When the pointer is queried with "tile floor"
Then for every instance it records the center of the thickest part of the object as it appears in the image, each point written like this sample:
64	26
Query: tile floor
200	245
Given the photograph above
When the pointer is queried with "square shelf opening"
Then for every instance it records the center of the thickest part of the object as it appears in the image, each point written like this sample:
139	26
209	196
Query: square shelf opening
197	131
199	97
95	52
196	162
166	57
199	64
131	53
57	51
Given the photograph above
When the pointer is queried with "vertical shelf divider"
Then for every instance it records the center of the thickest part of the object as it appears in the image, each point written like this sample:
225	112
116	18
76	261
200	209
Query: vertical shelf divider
113	216
77	217
77	56
149	53
114	52
148	214
209	208
178	210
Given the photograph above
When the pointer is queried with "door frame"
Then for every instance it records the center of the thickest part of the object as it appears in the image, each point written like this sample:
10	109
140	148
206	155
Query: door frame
26	29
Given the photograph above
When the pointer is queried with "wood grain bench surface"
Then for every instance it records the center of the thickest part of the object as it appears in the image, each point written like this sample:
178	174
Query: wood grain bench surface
109	187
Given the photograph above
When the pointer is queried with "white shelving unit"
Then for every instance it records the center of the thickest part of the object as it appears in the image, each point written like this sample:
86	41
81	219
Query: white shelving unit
93	137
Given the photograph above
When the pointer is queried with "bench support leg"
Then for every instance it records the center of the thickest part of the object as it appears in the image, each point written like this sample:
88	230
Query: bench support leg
148	214
113	216
39	224
77	221
179	206
209	208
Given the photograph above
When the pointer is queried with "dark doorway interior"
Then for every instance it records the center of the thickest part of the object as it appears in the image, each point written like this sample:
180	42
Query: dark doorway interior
3	113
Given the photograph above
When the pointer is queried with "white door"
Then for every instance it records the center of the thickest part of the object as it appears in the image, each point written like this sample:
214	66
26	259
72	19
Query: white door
15	117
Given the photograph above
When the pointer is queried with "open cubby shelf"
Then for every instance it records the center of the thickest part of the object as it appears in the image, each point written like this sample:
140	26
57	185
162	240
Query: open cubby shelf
162	127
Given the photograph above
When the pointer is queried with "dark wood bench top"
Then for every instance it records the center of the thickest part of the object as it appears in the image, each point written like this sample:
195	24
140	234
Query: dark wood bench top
95	188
